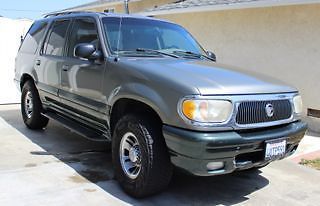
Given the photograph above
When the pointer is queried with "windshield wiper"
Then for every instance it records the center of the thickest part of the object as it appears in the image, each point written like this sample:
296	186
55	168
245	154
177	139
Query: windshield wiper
192	54
156	51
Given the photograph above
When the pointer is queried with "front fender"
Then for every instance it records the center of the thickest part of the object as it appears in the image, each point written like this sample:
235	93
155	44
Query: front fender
144	94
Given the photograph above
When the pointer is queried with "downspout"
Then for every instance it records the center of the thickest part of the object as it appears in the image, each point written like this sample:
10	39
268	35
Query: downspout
126	6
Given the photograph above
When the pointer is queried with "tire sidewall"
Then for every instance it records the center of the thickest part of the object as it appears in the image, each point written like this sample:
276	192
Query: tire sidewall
156	167
131	124
26	88
36	121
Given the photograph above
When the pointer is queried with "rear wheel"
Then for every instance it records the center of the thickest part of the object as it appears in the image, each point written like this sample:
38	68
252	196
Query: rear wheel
140	157
31	107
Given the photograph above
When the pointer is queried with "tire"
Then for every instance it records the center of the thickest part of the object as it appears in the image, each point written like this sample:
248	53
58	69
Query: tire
31	107
152	156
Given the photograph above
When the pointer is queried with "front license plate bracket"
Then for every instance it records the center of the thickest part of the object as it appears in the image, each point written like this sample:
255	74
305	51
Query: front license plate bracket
275	149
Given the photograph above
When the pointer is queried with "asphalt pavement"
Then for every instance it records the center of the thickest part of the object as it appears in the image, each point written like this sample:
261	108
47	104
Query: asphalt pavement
57	167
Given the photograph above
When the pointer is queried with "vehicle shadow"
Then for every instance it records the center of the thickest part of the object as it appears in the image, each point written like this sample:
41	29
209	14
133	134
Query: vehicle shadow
92	160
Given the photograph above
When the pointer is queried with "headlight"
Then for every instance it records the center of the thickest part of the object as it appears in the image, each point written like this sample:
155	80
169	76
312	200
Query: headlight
297	103
207	111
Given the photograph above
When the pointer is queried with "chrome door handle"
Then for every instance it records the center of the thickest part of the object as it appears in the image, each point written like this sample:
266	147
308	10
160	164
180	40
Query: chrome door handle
38	62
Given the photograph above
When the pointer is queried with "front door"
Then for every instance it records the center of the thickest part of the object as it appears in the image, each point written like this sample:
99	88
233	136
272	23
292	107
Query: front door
82	79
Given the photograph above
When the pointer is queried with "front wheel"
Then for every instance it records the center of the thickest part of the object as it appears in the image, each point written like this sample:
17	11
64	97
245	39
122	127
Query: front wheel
140	157
31	107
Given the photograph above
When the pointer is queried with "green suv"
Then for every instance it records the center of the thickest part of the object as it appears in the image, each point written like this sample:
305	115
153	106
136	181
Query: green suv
150	89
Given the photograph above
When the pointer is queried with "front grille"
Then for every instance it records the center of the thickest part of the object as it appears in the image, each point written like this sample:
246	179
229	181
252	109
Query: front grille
253	112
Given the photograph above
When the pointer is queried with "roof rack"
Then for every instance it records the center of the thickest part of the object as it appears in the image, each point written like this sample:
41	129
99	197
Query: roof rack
63	13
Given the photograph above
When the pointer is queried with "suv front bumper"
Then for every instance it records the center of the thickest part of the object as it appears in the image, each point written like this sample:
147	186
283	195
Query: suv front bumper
238	150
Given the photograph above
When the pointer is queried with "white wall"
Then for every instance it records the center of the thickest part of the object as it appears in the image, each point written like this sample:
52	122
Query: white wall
10	32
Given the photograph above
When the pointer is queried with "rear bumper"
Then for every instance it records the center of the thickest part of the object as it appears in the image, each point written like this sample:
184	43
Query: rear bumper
192	150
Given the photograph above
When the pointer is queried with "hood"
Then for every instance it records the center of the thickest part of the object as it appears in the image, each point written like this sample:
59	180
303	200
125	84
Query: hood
209	78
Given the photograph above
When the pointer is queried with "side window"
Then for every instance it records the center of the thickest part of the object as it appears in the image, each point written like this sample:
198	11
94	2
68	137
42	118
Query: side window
33	37
55	41
112	27
83	31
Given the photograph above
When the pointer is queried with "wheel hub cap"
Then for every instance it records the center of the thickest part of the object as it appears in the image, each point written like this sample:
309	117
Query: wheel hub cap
134	154
130	156
28	104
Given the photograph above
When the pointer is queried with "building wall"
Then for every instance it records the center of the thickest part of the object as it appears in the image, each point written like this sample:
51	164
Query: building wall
134	6
278	41
12	30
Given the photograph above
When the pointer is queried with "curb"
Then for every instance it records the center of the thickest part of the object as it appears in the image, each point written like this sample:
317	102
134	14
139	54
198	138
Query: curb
307	156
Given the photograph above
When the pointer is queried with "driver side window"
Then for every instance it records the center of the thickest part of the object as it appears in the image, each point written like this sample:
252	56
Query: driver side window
83	31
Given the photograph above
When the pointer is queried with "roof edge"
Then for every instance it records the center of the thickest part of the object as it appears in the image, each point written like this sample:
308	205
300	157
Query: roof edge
232	6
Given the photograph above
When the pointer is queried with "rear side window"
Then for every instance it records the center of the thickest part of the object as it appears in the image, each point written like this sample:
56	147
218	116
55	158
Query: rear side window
33	37
55	41
83	31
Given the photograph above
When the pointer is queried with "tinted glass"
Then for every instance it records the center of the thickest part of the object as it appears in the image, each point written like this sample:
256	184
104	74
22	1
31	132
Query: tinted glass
33	37
55	41
131	33
112	27
83	31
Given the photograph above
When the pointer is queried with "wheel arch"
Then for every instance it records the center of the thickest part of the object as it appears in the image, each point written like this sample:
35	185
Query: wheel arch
127	105
24	78
138	97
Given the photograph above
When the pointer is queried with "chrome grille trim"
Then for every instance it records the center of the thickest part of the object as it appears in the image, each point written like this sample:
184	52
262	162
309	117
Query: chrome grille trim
253	112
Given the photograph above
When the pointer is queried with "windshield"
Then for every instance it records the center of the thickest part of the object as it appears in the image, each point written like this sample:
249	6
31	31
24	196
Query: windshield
135	35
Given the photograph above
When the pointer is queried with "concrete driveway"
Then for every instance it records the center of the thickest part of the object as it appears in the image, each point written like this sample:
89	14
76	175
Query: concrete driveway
58	167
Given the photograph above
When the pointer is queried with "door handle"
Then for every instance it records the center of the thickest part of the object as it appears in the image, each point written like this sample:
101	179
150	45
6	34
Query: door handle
65	67
38	62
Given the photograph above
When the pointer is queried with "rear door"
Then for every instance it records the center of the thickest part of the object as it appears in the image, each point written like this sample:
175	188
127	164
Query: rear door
25	60
82	79
49	63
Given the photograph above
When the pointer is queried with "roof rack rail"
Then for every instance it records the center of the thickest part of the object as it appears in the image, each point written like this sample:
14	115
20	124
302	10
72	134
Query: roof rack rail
63	13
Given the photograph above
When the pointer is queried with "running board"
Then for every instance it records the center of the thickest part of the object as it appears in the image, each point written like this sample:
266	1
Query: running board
77	127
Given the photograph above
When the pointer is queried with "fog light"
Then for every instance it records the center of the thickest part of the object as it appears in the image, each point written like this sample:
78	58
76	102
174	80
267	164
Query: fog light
215	165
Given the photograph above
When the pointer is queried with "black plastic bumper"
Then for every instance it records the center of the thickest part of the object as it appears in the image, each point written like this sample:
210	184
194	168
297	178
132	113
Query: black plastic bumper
193	150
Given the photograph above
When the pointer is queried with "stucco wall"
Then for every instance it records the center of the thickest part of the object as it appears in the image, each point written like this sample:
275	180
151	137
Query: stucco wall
283	42
134	6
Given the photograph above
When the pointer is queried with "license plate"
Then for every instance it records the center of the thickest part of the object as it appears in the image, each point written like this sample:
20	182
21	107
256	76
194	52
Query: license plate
275	149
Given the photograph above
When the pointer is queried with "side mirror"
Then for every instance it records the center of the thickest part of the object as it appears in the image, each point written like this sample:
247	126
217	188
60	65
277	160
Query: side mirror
212	55
87	51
